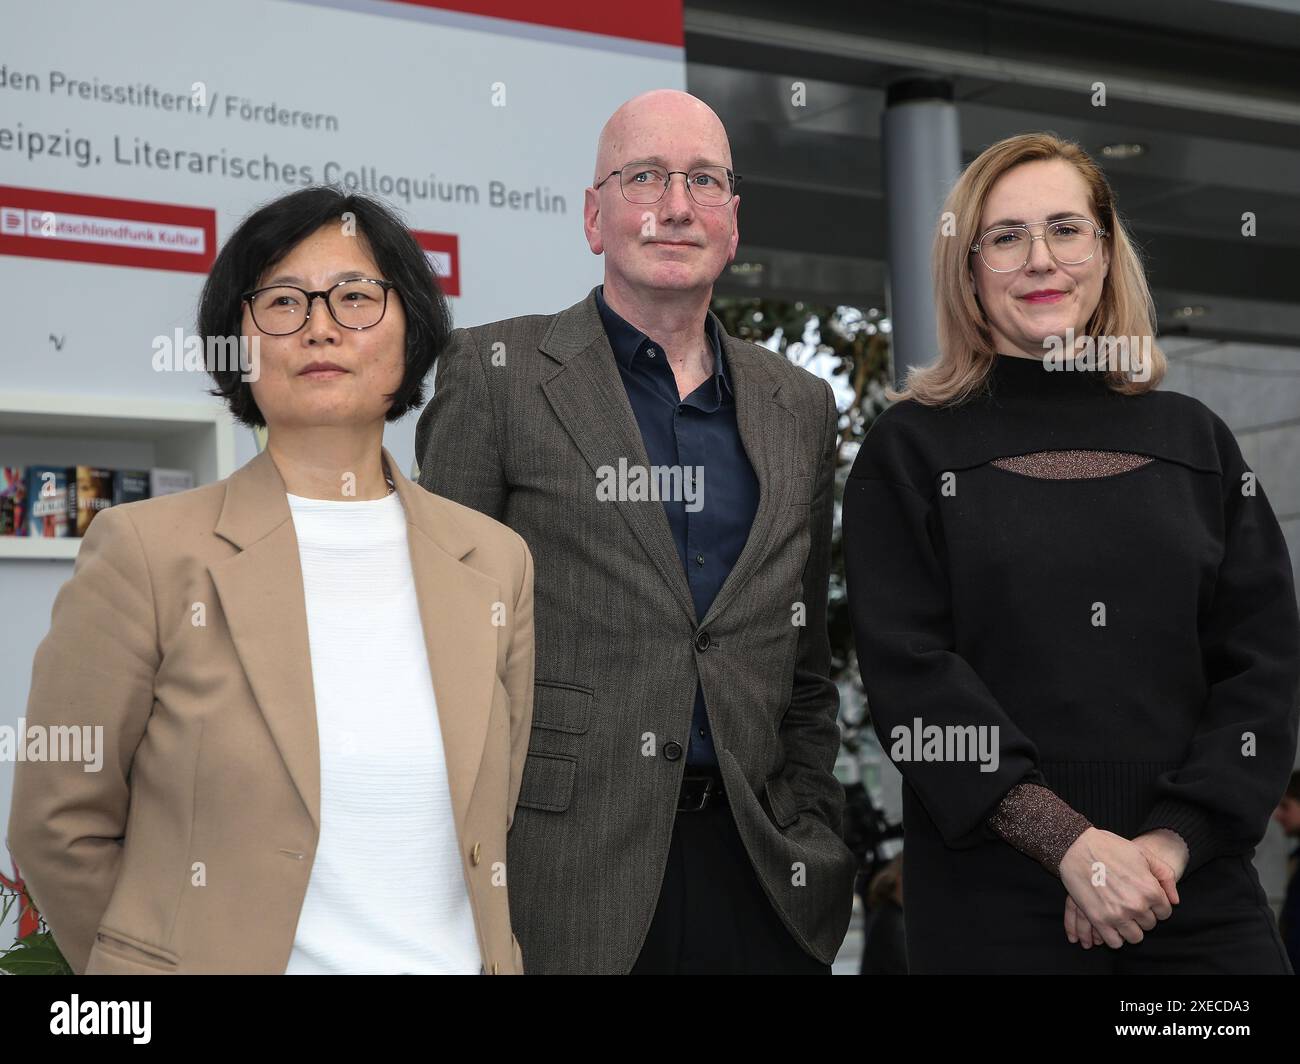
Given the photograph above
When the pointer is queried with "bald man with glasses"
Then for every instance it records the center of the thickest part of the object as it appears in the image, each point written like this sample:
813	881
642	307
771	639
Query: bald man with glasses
678	811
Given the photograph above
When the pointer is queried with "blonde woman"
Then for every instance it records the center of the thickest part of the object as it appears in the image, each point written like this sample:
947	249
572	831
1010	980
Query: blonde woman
1073	607
314	678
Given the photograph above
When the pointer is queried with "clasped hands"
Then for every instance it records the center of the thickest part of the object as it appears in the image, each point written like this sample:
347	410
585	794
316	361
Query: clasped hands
1117	888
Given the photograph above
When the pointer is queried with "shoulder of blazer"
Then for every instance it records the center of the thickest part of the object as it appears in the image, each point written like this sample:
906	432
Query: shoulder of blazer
493	543
796	386
174	518
526	336
781	369
526	324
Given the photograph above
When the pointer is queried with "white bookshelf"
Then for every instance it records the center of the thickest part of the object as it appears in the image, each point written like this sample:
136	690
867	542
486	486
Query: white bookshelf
112	431
33	547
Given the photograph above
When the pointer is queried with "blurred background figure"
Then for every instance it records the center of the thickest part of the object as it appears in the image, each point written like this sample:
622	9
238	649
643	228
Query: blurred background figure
1287	814
885	951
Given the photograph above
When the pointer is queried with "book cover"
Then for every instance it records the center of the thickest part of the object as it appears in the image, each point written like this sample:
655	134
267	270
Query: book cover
169	481
90	490
47	501
13	501
130	485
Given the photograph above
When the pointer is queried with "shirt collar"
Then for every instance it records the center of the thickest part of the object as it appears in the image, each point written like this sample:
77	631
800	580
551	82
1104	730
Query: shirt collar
628	341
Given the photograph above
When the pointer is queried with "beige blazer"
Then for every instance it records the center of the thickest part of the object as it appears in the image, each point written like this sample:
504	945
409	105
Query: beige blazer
183	633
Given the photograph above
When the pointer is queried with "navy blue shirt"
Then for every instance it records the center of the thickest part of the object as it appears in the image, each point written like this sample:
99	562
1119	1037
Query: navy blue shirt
711	523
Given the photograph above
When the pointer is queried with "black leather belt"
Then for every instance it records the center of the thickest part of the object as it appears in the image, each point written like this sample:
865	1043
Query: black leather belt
700	790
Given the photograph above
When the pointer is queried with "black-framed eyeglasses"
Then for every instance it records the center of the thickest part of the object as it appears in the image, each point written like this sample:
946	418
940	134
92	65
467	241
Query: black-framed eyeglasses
283	309
1072	241
645	182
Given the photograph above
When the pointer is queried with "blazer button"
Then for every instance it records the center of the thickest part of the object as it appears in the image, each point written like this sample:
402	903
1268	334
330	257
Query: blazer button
703	642
672	750
474	853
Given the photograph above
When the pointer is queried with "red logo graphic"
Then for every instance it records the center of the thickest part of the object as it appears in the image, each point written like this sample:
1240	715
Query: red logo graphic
36	223
443	252
29	920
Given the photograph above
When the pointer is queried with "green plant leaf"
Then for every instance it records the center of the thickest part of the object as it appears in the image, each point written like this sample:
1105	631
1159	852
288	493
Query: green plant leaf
36	954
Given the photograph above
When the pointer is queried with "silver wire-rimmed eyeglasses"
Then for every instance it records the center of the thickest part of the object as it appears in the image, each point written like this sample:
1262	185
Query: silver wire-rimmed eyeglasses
646	182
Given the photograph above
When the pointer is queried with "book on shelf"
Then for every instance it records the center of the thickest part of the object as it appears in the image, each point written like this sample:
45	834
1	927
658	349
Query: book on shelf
47	501
13	501
169	481
90	489
50	502
130	485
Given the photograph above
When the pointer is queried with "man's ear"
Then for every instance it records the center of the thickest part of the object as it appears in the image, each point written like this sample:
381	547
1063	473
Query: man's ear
735	228
591	221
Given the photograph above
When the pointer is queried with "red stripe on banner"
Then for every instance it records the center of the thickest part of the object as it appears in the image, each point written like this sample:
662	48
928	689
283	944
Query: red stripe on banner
39	224
443	250
657	21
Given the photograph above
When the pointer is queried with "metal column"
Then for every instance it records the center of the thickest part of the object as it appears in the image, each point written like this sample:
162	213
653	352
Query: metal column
922	158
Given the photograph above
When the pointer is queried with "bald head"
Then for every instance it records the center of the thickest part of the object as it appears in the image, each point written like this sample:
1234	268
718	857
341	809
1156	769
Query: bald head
672	248
659	123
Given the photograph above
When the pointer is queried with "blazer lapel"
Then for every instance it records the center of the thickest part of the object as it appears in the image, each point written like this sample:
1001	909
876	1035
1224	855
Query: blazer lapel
265	608
766	432
588	396
262	599
458	605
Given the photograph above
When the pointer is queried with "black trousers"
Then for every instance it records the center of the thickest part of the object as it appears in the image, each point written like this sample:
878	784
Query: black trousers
713	917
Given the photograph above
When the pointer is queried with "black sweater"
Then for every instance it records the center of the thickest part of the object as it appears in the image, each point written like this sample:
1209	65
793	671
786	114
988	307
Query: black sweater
1134	637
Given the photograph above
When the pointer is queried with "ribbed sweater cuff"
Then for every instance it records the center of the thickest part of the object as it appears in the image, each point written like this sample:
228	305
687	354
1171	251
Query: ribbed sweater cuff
1194	825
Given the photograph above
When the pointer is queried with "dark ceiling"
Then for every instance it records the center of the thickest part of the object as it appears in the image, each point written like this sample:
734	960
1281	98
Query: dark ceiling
1211	89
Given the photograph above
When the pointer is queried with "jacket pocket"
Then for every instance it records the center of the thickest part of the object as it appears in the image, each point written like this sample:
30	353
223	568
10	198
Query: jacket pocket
548	782
562	707
118	954
781	802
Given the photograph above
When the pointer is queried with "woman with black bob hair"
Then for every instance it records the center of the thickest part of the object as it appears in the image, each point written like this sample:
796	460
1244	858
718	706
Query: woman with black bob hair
314	677
268	235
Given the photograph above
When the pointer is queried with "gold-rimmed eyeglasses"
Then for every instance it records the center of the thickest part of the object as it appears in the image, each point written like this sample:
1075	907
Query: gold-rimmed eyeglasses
1072	241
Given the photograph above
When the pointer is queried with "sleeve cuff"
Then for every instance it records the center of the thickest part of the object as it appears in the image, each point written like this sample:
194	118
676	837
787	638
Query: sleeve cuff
1196	827
1038	823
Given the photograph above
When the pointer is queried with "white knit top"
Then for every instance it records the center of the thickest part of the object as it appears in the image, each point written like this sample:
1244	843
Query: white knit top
387	892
